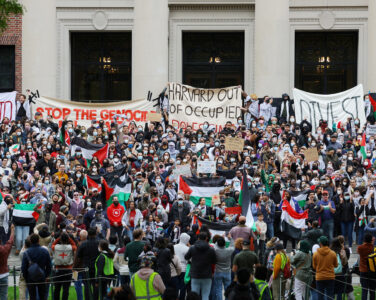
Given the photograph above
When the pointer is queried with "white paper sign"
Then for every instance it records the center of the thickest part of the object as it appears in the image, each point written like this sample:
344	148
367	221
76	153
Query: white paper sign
333	108
371	130
182	170
8	106
206	166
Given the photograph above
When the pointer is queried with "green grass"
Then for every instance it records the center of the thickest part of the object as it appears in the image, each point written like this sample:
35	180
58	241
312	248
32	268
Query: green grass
72	294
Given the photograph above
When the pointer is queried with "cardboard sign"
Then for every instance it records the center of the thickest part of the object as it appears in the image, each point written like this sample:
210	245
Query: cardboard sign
311	154
206	167
216	200
371	130
154	117
234	144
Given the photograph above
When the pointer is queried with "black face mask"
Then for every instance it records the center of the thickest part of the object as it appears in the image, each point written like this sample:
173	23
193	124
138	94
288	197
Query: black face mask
116	203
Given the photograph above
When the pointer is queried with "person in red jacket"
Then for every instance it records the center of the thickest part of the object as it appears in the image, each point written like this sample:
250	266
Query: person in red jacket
115	213
367	278
4	271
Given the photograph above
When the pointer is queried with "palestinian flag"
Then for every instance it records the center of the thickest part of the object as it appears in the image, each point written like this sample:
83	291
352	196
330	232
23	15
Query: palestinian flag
2	196
91	183
121	189
292	221
14	149
89	150
363	146
201	187
214	227
24	214
67	139
245	202
373	103
299	197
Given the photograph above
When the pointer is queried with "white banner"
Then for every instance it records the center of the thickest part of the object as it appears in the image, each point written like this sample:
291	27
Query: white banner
8	107
371	130
191	106
333	108
82	113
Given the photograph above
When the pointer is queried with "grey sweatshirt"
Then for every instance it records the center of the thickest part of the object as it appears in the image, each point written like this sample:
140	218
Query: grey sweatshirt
223	258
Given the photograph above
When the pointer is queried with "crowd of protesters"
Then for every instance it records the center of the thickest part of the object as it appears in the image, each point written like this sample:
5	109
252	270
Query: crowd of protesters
149	247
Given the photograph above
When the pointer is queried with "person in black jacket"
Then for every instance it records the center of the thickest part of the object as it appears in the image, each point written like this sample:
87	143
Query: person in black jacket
202	257
164	258
36	254
180	210
285	109
346	213
87	253
243	289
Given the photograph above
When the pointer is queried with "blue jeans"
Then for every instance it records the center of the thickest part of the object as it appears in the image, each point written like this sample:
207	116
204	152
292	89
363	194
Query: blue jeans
325	289
129	232
22	232
78	287
201	286
221	278
347	230
327	227
367	281
314	295
270	230
360	235
4	288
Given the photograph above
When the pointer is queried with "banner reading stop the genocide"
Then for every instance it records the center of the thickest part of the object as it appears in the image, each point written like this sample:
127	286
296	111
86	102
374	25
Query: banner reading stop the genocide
191	106
83	113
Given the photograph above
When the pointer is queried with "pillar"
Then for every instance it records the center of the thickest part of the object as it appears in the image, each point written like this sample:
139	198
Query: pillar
371	65
272	46
39	47
150	47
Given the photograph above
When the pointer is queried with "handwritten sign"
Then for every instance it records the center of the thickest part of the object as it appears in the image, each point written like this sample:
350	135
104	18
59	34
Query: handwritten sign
206	167
234	144
216	200
182	170
311	154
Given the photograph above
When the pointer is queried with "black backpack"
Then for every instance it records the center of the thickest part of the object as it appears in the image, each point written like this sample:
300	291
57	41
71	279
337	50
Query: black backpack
34	271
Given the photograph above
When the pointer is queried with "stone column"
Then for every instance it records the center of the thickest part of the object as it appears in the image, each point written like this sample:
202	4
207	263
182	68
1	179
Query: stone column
39	47
272	45
371	65
150	47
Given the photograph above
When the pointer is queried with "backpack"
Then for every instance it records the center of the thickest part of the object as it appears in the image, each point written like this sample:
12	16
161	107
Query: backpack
287	268
34	271
372	261
63	255
338	270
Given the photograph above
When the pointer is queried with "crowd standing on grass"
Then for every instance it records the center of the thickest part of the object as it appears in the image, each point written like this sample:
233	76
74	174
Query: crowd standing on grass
157	242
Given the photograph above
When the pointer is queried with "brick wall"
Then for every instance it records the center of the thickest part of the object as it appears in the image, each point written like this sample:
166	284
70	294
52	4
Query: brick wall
13	36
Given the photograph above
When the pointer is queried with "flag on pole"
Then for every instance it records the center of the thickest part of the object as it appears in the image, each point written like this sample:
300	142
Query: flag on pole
245	202
121	189
363	146
89	150
373	103
91	183
23	214
292	222
67	138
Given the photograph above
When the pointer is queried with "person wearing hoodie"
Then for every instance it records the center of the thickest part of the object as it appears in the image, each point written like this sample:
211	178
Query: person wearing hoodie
324	262
181	250
145	283
202	258
104	268
285	109
115	213
132	218
301	261
222	274
366	277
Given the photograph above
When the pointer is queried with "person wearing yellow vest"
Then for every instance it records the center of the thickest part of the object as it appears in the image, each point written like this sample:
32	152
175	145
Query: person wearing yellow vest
261	273
279	263
147	284
104	268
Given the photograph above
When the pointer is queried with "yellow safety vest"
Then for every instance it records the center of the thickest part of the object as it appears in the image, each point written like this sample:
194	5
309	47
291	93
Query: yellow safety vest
144	289
108	268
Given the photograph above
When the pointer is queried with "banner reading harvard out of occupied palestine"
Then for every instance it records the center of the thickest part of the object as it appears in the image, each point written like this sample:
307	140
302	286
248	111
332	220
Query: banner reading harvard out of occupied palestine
333	108
191	106
8	107
83	113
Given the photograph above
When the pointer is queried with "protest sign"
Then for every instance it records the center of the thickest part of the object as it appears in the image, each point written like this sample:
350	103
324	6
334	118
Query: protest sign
371	130
234	144
333	108
8	107
83	113
182	170
216	200
154	117
311	154
191	106
206	166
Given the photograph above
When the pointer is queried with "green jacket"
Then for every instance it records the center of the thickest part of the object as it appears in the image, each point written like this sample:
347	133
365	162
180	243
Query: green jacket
303	261
265	180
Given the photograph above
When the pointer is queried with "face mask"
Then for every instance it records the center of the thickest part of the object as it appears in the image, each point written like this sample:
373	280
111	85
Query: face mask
182	147
66	151
155	158
207	145
83	131
39	184
240	121
180	202
94	169
292	144
205	126
347	197
48	147
70	130
139	157
111	156
232	159
130	146
158	181
139	129
350	158
126	141
275	149
356	194
259	145
95	133
8	156
339	192
253	125
356	122
178	162
292	120
78	175
253	155
220	162
216	144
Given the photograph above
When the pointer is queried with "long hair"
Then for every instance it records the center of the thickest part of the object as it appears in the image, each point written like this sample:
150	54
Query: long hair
103	244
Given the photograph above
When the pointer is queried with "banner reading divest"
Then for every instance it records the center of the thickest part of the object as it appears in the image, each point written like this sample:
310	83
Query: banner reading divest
191	106
8	107
333	108
83	113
